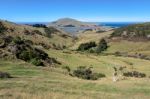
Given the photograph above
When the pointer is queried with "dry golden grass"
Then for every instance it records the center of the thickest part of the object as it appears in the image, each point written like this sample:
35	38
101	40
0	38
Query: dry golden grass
90	36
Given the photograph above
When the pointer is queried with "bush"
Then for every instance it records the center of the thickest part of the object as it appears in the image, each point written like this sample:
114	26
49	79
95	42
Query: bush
36	32
102	46
86	73
86	46
134	74
25	55
49	31
2	28
18	40
36	62
39	25
4	75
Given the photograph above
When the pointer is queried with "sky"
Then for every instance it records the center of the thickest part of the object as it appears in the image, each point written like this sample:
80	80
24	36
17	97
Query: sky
83	10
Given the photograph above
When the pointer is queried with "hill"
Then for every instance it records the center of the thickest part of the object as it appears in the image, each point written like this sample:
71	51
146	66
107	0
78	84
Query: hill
68	22
54	81
74	26
134	32
28	43
38	35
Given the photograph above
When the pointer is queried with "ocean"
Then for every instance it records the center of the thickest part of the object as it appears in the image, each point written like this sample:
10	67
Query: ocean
107	24
115	24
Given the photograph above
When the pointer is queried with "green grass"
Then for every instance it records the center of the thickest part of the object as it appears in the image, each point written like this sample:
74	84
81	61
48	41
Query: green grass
31	82
44	82
128	46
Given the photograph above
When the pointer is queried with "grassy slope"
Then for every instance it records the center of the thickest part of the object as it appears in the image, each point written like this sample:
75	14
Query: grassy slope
32	82
42	83
56	38
90	36
131	47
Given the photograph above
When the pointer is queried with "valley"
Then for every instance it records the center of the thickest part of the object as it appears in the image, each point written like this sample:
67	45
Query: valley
53	81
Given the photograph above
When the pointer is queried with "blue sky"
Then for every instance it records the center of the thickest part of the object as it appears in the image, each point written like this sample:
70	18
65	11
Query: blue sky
83	10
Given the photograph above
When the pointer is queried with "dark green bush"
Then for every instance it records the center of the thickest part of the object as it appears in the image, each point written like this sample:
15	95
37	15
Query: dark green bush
134	74
39	25
2	28
49	31
86	46
36	62
5	75
25	55
18	40
87	73
102	46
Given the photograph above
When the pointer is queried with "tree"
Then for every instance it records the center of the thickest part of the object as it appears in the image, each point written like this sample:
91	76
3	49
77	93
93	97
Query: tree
102	46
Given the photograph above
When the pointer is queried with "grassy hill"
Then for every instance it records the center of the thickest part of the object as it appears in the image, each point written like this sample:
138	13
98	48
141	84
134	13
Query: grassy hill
74	27
90	36
36	82
134	32
68	22
37	35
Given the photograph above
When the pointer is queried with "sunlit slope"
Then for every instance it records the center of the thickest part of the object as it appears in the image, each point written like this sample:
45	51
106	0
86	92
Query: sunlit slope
55	83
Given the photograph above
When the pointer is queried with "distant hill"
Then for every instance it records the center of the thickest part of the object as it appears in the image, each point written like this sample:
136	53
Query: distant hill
74	26
132	32
64	22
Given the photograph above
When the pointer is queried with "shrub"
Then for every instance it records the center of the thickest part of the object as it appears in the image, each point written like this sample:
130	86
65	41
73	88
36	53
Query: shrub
134	74
102	46
4	41
86	46
2	28
49	31
4	75
36	32
36	62
18	40
25	55
86	73
39	25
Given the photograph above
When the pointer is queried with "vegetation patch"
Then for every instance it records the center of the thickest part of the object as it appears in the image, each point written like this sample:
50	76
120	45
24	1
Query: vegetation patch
2	28
24	50
134	74
92	47
87	73
5	75
133	31
49	31
39	25
86	46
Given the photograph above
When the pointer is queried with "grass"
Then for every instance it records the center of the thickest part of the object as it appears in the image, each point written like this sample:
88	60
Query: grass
128	46
90	36
32	82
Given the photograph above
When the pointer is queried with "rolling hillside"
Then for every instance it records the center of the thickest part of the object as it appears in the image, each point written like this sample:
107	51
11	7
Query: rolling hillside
55	82
134	32
47	36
